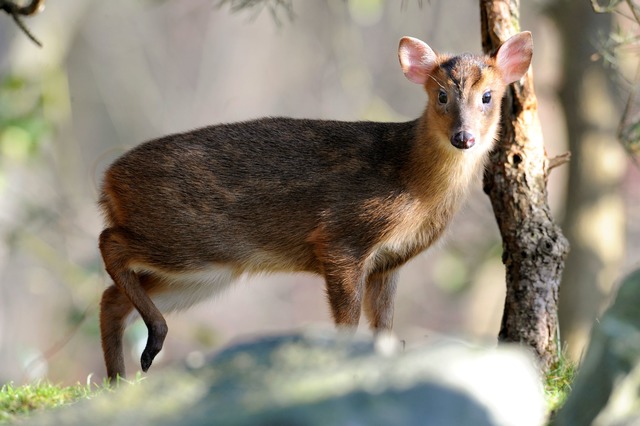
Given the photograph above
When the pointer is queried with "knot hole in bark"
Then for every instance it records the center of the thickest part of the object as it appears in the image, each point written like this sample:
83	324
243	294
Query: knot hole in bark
516	159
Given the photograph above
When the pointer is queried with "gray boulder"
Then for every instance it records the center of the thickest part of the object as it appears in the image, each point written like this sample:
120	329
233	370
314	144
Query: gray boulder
323	378
606	391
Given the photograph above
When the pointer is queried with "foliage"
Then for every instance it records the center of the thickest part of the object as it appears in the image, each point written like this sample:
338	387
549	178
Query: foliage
22	122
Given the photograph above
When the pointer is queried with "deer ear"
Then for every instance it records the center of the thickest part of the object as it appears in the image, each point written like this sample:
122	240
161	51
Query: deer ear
514	56
417	59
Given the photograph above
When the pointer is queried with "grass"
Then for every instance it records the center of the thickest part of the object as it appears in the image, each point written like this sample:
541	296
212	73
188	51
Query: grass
558	382
18	401
21	400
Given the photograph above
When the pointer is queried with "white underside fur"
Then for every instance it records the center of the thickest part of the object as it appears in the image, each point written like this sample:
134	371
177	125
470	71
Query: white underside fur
188	288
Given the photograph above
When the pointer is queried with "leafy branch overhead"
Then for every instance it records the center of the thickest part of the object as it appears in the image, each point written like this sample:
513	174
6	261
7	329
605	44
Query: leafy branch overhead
629	128
17	12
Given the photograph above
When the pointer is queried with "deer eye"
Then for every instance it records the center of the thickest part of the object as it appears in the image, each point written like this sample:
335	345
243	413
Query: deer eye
486	97
442	97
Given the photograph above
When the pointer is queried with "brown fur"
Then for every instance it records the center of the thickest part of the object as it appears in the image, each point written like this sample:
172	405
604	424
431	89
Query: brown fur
186	214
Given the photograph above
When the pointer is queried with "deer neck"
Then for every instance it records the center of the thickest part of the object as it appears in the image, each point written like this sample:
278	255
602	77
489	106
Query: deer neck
440	174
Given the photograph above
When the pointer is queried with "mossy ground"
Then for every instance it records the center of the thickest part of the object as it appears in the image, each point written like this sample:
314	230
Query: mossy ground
19	401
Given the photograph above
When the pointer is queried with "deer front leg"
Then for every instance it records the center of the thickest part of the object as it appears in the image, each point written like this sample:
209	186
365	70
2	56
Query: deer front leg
344	291
380	290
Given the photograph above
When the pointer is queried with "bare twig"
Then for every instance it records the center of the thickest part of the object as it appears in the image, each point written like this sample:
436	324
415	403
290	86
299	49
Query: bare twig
595	5
612	7
57	346
16	11
629	127
634	10
275	7
403	4
558	160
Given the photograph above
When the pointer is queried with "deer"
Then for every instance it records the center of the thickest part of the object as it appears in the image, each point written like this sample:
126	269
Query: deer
189	213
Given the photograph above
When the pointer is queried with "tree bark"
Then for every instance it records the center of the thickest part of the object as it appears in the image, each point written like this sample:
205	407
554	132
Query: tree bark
534	248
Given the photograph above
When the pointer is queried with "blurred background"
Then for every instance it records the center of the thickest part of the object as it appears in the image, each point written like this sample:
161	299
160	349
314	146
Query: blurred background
114	74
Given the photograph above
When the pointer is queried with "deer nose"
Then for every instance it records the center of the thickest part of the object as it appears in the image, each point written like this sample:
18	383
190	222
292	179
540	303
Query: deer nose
463	140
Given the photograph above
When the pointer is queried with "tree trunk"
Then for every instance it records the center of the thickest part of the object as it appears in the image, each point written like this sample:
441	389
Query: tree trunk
594	219
534	248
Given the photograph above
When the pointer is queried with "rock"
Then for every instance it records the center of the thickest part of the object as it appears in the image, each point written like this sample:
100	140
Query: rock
606	390
323	378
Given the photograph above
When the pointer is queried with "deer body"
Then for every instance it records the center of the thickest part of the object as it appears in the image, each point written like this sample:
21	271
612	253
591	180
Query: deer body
187	214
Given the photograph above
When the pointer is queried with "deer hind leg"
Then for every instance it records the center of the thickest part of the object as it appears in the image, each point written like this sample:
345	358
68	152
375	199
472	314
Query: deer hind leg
116	255
379	293
115	307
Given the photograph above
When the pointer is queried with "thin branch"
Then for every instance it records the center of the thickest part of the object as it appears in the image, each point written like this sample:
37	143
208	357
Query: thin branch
612	7
403	4
627	129
595	5
558	160
16	12
57	346
25	30
634	10
275	7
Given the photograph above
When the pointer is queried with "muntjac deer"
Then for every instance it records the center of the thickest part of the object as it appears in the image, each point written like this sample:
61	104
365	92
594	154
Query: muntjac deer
187	214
